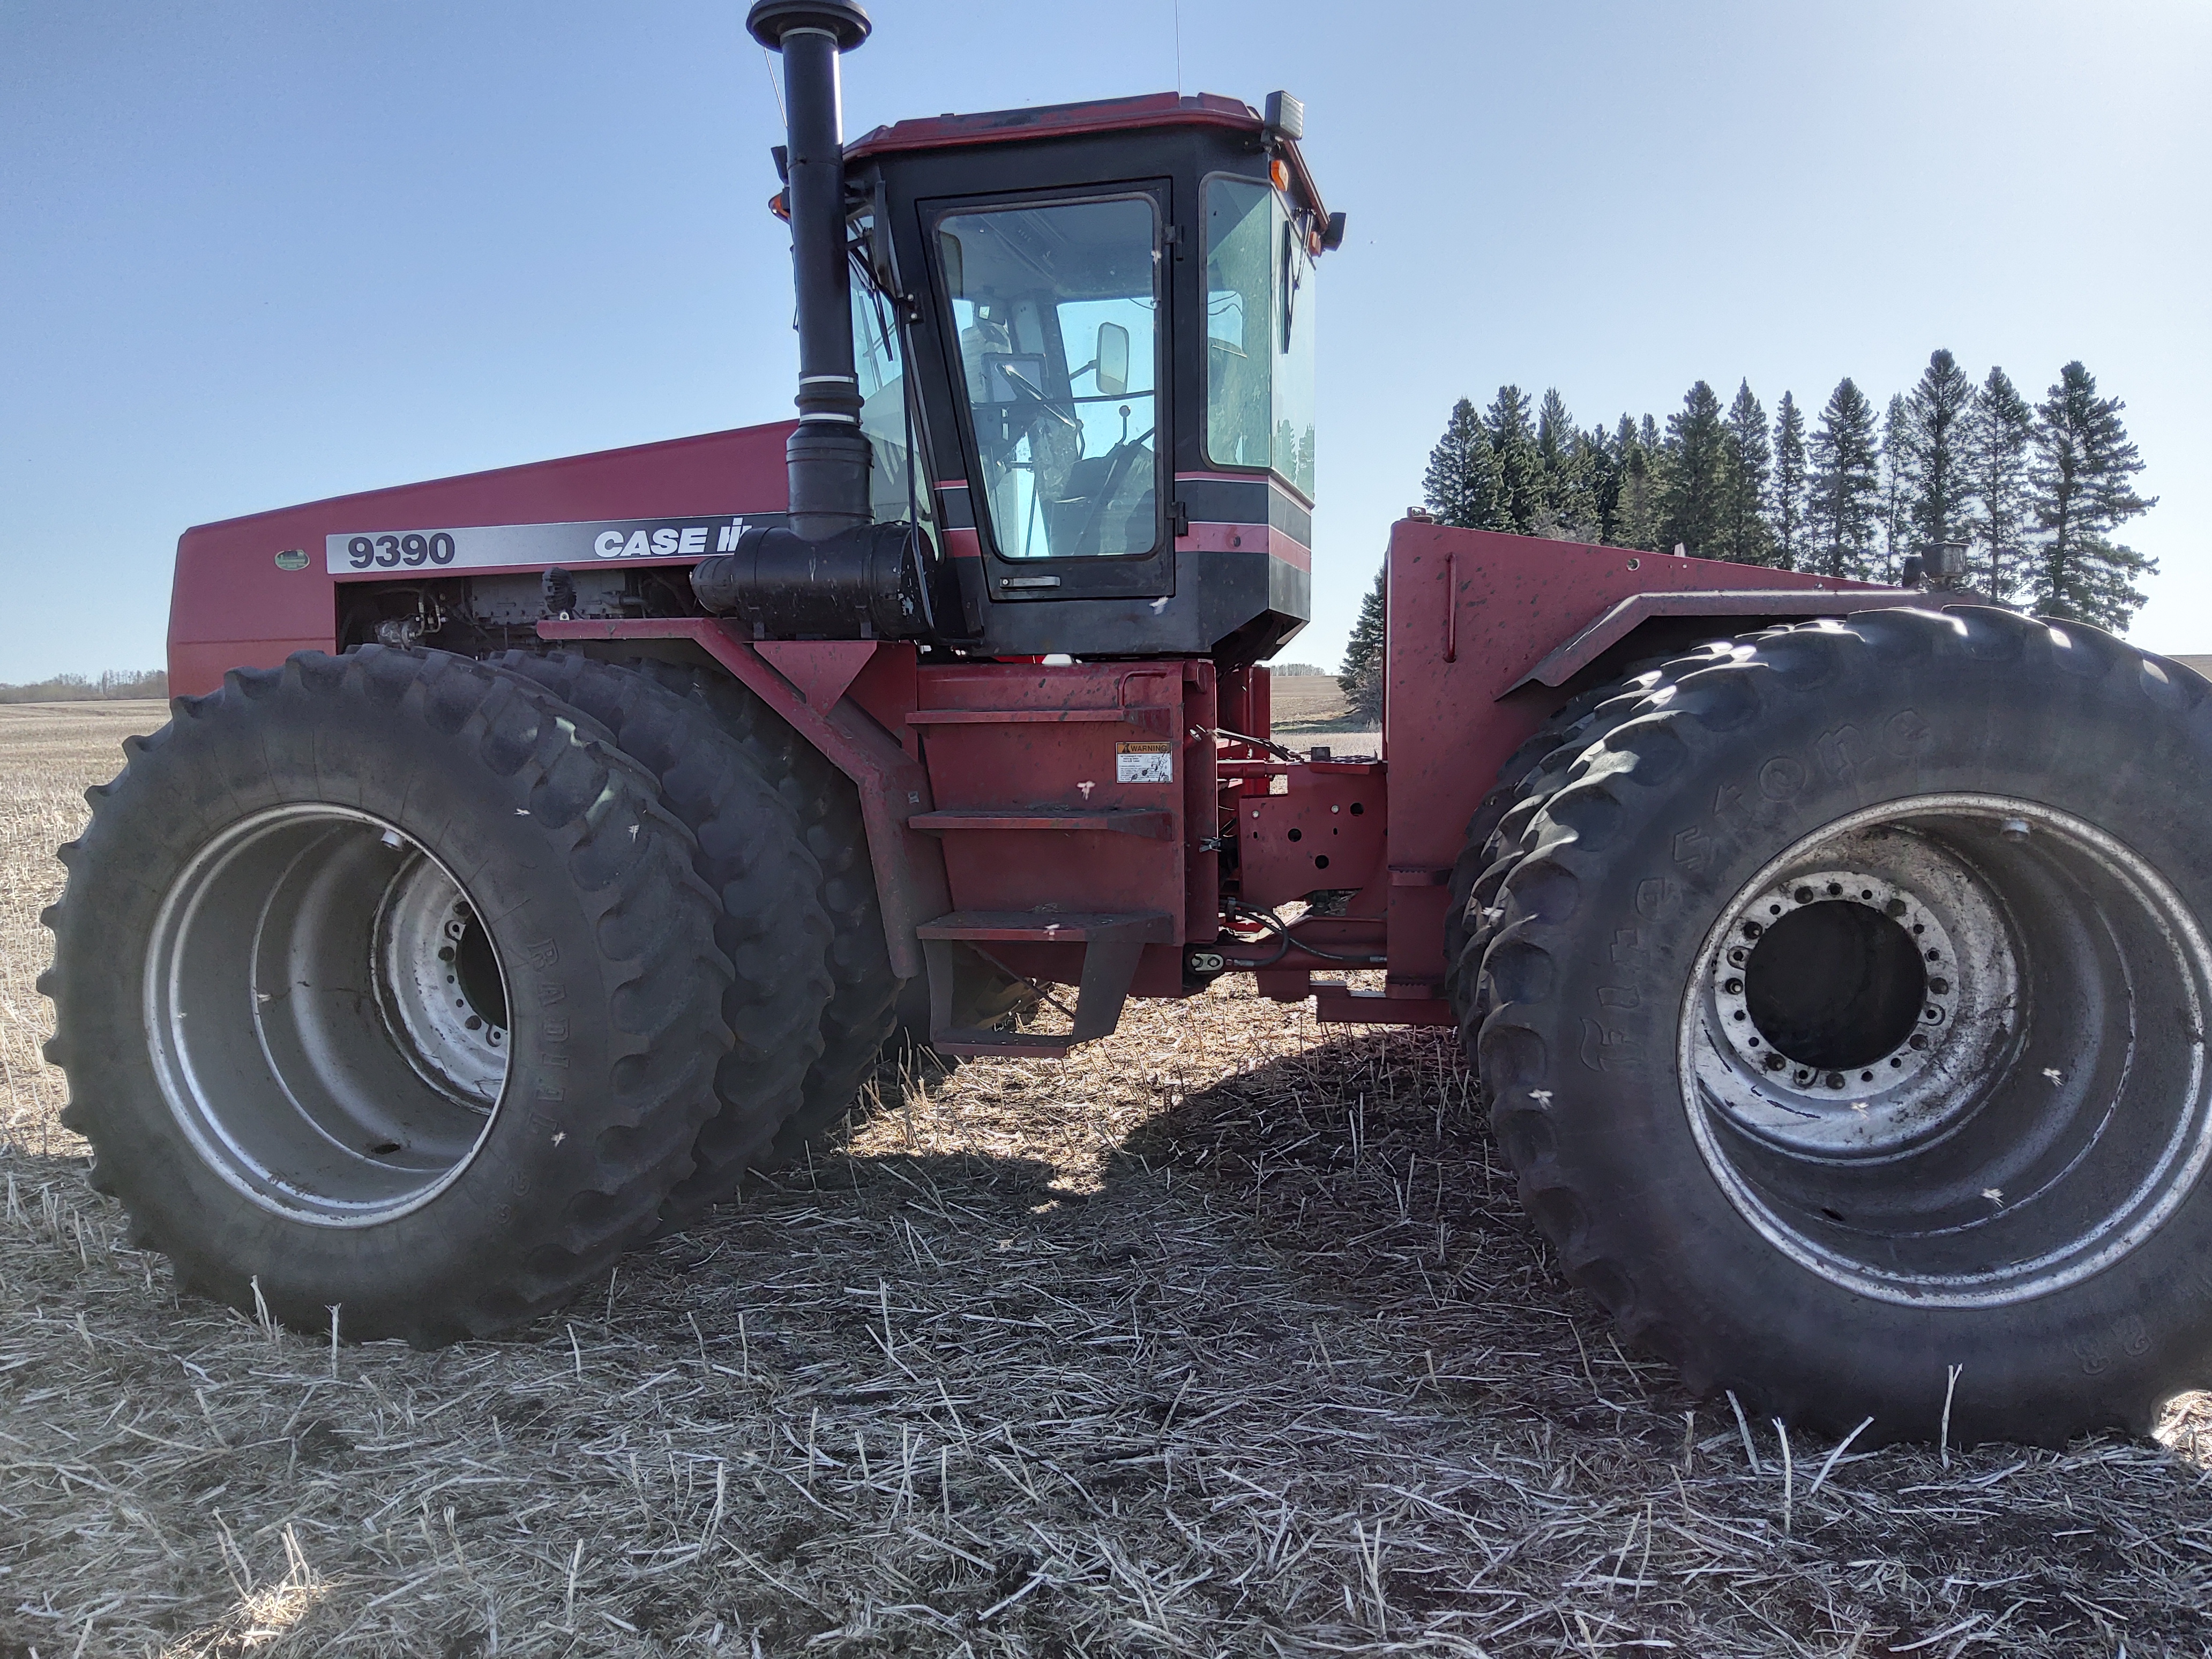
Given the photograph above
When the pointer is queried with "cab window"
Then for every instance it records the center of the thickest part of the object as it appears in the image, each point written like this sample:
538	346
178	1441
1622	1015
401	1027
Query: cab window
1057	310
880	367
1258	334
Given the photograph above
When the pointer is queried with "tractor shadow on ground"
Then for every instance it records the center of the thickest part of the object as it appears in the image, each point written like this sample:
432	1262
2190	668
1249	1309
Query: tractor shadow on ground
1350	1189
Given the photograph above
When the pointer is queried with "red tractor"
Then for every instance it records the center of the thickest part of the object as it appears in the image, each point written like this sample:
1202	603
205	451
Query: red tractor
531	853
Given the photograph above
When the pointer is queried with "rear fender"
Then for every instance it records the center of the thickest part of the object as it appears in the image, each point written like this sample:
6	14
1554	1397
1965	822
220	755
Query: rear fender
1488	633
823	689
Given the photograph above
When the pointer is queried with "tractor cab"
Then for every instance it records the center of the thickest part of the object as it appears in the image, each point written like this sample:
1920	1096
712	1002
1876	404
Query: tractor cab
1109	308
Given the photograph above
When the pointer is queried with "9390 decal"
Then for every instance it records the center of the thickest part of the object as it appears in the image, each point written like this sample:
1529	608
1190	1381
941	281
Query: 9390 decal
390	552
370	554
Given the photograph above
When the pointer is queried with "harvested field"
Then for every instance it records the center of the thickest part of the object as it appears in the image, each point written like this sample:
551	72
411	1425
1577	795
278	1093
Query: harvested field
1227	1338
1303	703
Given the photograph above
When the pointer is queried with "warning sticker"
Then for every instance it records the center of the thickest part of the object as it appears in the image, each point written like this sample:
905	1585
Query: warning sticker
1144	762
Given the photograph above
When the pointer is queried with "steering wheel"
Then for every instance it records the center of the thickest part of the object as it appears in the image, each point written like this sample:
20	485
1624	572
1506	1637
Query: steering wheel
1020	383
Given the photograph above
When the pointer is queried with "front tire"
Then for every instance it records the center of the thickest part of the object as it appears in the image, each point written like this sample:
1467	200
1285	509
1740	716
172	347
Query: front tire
380	982
1849	1016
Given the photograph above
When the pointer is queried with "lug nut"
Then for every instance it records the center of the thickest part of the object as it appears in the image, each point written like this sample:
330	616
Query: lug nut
1835	1079
1751	930
1917	1040
1733	986
1939	986
1803	895
1774	1061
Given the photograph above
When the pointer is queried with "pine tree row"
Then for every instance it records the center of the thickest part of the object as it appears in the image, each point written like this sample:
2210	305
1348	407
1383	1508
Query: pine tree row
2036	492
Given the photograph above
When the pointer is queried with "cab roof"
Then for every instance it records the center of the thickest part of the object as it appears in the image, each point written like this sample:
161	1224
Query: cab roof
1158	109
1100	115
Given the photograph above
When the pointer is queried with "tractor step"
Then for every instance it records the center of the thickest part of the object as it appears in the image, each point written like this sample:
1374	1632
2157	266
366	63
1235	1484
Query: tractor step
1153	822
1111	945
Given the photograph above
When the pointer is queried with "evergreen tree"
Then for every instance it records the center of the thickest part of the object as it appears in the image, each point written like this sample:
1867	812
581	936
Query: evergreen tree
1789	467
1520	470
1461	486
1938	412
1602	460
1690	499
1361	676
1746	461
1636	496
1567	508
1844	489
2082	477
1555	430
1896	487
2000	429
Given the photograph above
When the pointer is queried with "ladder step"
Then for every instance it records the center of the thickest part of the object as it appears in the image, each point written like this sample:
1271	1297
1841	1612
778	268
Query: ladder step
1049	927
1153	822
1004	1045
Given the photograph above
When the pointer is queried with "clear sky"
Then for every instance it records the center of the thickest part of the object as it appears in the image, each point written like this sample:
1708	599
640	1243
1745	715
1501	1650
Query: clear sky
258	252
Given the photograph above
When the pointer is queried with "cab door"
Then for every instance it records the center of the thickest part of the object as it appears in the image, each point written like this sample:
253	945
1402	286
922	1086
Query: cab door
1055	310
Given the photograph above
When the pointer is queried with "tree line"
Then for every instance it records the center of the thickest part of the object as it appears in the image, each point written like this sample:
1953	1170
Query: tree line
2038	492
76	688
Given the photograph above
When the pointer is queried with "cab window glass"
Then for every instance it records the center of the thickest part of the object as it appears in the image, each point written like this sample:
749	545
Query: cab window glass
881	370
1258	334
1057	311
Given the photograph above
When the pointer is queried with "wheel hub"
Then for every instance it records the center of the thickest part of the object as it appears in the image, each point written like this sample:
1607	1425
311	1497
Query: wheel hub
1852	998
1951	1050
326	1015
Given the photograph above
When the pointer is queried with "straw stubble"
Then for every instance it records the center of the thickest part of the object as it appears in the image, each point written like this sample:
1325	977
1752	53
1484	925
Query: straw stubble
1224	1337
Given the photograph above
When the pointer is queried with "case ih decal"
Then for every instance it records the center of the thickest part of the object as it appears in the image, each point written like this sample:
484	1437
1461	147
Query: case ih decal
534	546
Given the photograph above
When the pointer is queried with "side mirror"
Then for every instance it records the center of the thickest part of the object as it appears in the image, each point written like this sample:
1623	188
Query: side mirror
1112	372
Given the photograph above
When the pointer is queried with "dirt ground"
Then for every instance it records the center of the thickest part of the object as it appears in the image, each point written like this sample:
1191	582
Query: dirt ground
1227	1338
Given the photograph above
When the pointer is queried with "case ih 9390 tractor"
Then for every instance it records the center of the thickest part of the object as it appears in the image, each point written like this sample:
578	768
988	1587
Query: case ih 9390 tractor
531	853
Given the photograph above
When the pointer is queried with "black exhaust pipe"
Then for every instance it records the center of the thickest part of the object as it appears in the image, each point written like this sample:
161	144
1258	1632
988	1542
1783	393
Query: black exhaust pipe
826	458
831	572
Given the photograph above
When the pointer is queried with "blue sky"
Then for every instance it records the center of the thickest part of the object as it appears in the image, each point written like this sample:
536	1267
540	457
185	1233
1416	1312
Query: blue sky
258	254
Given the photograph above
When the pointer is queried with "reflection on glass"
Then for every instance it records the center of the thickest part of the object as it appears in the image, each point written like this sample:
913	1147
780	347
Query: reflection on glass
882	374
1258	334
1058	312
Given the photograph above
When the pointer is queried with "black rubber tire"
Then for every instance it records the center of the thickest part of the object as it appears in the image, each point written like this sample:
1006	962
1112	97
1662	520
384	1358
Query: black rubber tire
754	855
861	1012
1479	848
1532	774
585	886
1630	867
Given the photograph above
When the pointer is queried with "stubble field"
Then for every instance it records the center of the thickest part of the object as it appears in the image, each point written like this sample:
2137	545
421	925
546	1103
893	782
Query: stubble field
1226	1337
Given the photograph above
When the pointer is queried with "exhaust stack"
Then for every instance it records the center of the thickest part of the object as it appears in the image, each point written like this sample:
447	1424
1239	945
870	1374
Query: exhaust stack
827	456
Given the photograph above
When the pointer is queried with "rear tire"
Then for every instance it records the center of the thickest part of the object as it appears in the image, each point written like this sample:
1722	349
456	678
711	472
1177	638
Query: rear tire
1985	1152
380	983
859	1017
751	852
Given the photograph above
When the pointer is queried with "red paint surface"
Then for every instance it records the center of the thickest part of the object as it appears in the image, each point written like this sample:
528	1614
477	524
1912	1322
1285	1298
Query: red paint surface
232	607
1470	613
